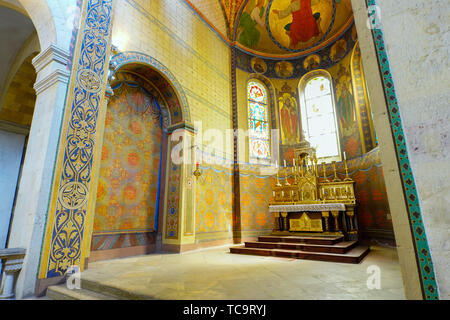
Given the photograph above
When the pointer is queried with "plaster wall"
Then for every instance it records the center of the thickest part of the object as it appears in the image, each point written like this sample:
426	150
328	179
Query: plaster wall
419	63
11	149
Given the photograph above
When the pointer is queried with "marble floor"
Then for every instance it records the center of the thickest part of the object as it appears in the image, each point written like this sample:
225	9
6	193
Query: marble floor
217	274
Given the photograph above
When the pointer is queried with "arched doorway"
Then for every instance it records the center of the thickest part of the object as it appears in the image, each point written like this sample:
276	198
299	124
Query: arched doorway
17	101
132	180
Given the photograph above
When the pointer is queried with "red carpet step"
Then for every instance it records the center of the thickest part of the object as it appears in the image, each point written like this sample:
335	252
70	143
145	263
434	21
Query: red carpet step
332	249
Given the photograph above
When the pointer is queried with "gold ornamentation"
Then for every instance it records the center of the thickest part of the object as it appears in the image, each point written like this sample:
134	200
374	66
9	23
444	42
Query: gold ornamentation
305	223
73	195
307	189
89	81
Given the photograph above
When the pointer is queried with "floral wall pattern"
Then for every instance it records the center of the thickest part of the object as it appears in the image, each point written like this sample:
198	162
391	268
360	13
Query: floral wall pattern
128	181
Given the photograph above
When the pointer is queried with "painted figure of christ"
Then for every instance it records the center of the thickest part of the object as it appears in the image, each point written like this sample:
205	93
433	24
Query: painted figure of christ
304	24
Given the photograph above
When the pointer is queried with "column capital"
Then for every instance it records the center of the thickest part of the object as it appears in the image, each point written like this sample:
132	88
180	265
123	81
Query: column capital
52	53
51	67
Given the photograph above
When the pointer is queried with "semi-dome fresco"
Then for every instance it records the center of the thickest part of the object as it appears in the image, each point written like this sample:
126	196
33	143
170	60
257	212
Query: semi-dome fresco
291	27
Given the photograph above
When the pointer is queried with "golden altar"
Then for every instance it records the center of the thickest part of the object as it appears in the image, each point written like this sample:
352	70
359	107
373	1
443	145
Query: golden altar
310	203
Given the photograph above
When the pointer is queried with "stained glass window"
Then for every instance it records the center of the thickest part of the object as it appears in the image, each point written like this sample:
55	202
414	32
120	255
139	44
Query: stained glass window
258	126
319	118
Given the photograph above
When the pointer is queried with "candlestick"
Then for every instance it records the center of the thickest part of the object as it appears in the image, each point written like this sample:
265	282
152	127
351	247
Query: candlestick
315	167
324	174
336	178
347	178
286	182
301	167
285	163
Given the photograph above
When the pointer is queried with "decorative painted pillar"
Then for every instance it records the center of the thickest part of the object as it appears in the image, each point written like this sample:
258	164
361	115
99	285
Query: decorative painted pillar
67	227
179	216
236	216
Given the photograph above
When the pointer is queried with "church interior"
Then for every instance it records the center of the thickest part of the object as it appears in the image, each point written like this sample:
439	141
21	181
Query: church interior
224	149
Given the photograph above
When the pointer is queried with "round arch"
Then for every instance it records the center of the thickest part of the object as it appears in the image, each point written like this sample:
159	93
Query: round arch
152	77
301	93
43	19
272	100
151	69
272	105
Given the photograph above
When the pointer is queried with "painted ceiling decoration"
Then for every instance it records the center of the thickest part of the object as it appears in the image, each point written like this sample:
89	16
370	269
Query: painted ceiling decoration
231	10
291	27
295	68
213	13
284	28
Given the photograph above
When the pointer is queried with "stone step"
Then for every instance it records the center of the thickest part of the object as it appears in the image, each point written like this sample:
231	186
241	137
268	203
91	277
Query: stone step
61	292
324	240
354	255
341	247
91	284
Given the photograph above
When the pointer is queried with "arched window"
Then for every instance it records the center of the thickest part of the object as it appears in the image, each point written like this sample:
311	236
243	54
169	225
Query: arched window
319	121
259	136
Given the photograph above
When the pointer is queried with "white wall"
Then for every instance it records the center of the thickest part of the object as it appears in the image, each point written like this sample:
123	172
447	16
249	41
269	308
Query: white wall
417	40
11	149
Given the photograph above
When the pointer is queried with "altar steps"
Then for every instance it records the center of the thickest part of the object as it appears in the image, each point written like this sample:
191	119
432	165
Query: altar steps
341	247
332	249
328	240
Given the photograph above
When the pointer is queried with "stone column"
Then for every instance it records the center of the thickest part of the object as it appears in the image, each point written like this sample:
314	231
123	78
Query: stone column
12	264
28	223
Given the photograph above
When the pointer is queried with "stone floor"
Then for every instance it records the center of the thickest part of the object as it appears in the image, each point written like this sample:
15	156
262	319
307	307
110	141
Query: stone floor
217	274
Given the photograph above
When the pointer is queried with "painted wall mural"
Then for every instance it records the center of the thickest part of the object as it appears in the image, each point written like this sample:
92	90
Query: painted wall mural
345	106
296	67
128	181
362	104
289	111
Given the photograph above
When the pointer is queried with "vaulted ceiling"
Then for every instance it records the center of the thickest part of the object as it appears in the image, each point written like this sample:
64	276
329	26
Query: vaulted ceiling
255	27
221	14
